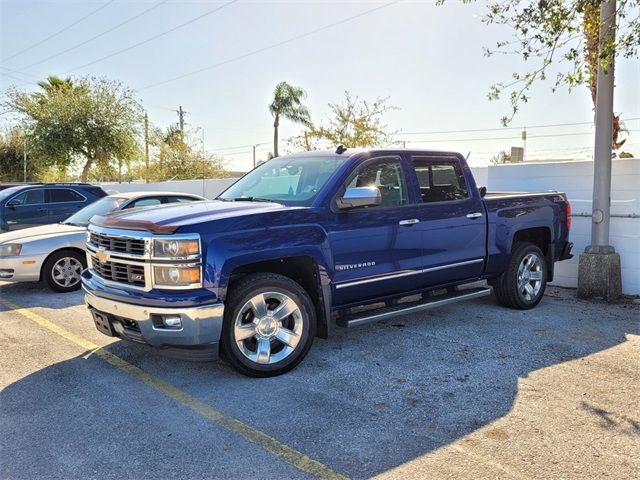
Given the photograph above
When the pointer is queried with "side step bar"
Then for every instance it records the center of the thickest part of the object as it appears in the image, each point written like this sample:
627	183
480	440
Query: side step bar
355	320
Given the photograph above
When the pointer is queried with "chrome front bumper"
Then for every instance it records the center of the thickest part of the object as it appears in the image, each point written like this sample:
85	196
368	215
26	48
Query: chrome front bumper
201	326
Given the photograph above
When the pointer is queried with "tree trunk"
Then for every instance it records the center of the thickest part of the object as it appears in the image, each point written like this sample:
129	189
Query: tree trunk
276	124
86	169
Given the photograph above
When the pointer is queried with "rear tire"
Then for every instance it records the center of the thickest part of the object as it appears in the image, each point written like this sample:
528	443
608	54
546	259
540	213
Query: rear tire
269	325
523	284
61	271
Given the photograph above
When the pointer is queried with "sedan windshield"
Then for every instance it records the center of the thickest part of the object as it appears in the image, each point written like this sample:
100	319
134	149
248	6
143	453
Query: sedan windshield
289	180
103	206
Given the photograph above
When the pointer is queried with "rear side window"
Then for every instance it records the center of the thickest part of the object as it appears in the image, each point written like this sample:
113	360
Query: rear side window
59	195
30	197
440	180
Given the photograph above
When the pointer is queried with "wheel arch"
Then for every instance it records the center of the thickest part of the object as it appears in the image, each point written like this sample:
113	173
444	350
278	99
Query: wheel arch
58	250
306	271
541	237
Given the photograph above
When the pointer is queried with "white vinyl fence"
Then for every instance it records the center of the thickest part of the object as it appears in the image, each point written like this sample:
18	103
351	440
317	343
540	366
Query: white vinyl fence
576	180
572	177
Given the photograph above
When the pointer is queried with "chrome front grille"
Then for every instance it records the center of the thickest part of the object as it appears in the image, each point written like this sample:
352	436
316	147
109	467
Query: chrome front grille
113	243
131	274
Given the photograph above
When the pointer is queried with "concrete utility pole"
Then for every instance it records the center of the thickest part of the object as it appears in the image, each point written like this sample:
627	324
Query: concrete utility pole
146	147
254	156
599	272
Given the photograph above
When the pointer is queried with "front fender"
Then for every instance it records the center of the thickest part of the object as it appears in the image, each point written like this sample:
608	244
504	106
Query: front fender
229	251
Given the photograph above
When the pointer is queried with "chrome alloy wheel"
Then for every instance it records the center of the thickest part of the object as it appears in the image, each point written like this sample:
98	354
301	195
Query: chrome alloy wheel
66	272
268	328
530	277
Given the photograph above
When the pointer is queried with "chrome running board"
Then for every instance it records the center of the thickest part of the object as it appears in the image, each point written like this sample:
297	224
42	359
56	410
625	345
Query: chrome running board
355	320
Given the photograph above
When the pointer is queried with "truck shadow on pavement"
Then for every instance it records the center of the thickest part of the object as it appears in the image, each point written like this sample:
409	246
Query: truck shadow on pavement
362	402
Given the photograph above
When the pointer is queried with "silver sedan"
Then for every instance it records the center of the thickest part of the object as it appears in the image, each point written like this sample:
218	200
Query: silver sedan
55	253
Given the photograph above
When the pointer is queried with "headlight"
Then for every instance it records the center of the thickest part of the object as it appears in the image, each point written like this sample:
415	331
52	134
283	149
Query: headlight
175	248
176	276
10	249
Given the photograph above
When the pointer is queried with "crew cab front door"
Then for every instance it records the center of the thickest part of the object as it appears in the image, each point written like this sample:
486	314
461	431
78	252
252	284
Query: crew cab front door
376	252
451	218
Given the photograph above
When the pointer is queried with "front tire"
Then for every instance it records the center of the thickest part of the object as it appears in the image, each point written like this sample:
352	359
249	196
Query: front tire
61	272
523	284
269	325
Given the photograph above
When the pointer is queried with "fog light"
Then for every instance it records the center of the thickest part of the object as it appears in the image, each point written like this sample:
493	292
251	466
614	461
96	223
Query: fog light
172	321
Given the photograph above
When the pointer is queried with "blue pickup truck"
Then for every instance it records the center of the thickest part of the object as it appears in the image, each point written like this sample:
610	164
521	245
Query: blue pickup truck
287	252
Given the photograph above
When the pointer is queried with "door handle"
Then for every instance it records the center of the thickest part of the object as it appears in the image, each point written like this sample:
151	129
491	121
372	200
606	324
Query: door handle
409	222
474	215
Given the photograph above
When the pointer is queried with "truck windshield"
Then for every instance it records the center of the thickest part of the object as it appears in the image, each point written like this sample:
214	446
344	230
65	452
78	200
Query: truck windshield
288	180
100	207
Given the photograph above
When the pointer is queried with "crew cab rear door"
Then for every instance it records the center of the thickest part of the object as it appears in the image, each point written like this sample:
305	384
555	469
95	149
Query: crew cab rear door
451	217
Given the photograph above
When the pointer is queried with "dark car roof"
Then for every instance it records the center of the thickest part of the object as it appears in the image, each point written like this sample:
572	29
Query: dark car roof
17	188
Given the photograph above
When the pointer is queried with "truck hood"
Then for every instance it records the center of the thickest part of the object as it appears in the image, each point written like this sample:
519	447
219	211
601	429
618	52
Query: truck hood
167	219
42	231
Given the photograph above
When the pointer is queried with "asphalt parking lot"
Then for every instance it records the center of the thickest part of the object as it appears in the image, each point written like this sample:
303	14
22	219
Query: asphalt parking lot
467	391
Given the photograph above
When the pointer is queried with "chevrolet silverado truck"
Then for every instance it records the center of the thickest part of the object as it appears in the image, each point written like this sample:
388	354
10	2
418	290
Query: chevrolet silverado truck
290	250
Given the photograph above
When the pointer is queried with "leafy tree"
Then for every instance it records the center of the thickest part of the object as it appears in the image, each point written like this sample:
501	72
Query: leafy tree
560	34
12	147
501	158
354	123
625	155
175	156
89	122
287	104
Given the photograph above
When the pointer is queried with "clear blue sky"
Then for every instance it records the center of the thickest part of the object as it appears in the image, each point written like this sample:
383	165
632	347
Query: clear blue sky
428	59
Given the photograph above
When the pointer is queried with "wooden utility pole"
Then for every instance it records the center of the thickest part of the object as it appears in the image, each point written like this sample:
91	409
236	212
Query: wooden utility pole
146	147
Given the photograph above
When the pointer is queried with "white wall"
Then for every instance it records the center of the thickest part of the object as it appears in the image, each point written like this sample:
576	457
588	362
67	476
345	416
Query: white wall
209	188
576	180
573	178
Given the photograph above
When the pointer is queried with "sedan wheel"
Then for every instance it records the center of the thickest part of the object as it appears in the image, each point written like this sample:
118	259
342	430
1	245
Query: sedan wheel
62	270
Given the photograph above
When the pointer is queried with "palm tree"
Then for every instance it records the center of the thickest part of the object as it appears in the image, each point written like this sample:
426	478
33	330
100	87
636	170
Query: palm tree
54	84
287	104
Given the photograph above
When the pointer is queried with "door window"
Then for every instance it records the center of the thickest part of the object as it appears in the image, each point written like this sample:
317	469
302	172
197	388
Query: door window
60	195
440	180
30	197
388	177
181	199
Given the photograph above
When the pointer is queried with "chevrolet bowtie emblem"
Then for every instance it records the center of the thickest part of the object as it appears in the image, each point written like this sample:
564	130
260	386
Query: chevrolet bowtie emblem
102	255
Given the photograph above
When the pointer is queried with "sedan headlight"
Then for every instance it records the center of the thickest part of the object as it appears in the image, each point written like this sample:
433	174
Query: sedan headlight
176	276
10	249
177	248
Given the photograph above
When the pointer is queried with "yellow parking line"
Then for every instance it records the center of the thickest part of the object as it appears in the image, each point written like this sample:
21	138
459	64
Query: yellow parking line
270	444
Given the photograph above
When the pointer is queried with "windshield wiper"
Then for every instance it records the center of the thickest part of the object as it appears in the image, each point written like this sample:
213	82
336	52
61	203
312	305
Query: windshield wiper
252	199
73	224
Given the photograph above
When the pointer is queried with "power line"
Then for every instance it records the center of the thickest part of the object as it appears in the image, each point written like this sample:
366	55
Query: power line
503	138
102	34
441	132
272	46
73	24
154	37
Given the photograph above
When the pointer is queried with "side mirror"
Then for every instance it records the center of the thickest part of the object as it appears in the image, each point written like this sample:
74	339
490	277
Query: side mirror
359	197
13	203
482	191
